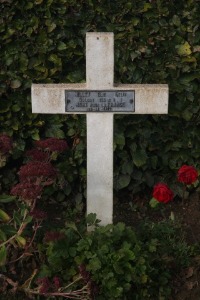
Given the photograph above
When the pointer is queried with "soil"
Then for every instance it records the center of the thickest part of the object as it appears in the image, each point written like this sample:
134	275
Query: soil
186	285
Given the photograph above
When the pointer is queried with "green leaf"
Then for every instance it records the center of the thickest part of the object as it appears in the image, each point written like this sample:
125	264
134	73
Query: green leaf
187	115
127	168
61	46
16	108
153	203
55	59
185	79
76	76
8	229
135	21
120	139
71	132
71	225
37	2
120	227
91	218
123	181
139	158
149	179
154	161
118	269
196	183
21	241
6	198
50	26
16	217
35	136
2	236
28	219
72	251
54	130
147	6
176	20
4	105
4	217
44	271
15	84
95	264
3	255
153	245
184	50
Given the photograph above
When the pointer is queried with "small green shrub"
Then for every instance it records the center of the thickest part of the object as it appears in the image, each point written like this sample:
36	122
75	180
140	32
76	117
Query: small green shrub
130	265
111	262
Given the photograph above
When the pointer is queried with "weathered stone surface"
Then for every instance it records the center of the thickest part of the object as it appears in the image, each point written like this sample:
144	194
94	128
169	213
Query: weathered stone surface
149	98
100	74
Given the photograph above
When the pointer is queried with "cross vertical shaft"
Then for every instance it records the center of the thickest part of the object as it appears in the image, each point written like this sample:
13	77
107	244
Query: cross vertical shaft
99	75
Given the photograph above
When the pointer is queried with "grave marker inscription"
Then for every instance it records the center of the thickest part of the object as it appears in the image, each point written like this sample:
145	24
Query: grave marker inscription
99	98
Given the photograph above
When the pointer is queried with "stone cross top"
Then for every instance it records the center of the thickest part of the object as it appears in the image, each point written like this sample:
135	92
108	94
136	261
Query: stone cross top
99	98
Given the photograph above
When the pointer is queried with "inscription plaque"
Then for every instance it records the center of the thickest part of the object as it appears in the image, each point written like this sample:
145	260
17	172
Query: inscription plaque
99	101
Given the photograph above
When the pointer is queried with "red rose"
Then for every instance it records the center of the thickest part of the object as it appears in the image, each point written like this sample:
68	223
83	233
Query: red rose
187	174
162	193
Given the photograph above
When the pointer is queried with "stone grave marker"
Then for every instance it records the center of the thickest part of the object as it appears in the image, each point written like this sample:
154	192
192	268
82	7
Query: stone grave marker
99	98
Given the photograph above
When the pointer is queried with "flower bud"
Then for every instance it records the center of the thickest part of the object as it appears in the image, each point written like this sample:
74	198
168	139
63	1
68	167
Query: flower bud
21	241
4	217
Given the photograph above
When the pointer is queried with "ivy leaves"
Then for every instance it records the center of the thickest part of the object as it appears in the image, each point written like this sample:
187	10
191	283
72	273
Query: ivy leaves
44	42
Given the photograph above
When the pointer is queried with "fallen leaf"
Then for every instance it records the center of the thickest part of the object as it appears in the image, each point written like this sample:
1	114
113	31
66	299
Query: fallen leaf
189	272
191	284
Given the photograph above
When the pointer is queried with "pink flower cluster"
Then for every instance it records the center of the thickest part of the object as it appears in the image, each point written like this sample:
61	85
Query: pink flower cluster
52	145
46	286
38	172
36	169
5	144
38	214
27	190
93	288
53	236
38	155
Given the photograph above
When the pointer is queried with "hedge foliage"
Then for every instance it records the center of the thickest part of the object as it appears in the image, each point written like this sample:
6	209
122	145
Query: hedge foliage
157	41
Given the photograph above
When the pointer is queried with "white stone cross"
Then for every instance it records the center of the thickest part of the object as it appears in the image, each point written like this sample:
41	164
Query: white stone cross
100	98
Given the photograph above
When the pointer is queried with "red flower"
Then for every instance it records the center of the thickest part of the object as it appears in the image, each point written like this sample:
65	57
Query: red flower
52	144
187	174
162	193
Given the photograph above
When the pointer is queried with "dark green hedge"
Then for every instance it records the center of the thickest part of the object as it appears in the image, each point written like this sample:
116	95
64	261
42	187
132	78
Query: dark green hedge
156	41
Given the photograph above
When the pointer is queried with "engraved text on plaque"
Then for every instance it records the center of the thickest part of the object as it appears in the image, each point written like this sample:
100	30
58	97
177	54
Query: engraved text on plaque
99	101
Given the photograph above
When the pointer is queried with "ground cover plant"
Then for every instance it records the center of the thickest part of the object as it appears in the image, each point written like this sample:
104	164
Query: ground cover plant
42	257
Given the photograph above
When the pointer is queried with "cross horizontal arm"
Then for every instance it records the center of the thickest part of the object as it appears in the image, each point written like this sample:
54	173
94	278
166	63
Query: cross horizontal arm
149	98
